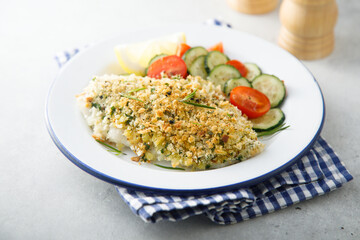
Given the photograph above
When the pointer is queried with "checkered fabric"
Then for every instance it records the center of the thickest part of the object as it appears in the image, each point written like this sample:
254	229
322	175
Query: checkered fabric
318	172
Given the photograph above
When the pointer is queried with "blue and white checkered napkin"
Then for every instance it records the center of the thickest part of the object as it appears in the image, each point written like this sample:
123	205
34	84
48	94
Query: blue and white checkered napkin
318	172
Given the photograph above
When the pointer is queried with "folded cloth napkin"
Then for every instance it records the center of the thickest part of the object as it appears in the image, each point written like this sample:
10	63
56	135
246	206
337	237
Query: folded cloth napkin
316	173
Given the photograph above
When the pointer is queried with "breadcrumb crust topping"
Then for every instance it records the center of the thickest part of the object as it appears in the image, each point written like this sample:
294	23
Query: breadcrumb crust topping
160	125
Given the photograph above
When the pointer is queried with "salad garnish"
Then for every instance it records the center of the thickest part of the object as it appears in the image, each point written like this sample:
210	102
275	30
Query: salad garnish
172	168
111	149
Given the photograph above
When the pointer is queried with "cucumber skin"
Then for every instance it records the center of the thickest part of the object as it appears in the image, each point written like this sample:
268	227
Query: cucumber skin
283	85
249	70
223	83
207	68
226	85
282	119
186	54
156	57
191	73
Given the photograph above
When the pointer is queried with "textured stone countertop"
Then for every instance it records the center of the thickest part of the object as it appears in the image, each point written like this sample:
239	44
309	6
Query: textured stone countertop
45	196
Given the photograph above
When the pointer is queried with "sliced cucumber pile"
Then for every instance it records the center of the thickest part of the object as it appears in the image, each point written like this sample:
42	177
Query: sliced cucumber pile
213	59
235	82
253	71
272	87
272	119
197	68
212	66
191	54
221	73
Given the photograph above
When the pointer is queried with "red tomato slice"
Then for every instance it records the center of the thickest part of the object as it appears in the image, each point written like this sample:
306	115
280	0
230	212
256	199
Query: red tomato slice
239	66
181	49
171	65
217	47
250	101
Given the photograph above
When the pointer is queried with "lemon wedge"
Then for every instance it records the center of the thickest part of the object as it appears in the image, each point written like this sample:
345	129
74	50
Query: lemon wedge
135	57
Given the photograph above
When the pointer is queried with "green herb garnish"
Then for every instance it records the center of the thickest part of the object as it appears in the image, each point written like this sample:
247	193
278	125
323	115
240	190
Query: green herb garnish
147	146
176	77
112	110
130	97
136	90
96	105
190	96
94	78
172	168
273	131
129	116
111	149
197	105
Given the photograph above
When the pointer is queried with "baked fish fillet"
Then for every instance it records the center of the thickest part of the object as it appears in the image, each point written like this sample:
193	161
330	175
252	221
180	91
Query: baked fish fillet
149	116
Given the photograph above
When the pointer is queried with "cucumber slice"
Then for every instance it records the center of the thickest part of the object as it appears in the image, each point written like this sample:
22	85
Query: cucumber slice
272	87
272	119
213	59
253	71
221	73
235	82
197	68
157	57
191	54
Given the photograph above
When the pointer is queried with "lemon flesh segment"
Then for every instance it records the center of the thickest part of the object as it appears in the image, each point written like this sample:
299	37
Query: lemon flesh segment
134	58
127	61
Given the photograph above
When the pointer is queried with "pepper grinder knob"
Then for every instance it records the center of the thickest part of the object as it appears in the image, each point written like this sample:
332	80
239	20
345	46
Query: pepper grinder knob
253	6
307	29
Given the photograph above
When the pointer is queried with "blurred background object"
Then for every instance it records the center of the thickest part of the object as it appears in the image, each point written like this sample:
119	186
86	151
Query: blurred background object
253	6
307	29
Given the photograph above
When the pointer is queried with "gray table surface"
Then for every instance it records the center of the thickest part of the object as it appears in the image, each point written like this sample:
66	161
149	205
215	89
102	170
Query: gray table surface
45	196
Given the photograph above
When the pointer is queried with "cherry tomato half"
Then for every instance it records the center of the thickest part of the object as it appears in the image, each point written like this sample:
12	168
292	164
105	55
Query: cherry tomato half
217	47
239	66
171	65
250	101
181	49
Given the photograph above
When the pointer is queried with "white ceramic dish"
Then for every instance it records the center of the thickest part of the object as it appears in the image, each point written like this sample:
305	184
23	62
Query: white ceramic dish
303	107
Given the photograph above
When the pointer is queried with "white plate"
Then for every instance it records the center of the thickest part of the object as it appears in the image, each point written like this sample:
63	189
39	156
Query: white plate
303	107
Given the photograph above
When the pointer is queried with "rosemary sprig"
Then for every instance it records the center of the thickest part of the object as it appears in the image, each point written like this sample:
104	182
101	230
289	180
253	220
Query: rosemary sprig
131	97
273	131
172	168
136	90
191	95
197	105
111	149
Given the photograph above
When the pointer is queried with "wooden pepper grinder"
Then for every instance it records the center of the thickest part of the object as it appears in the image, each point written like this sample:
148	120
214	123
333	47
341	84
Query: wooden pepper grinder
253	6
307	29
